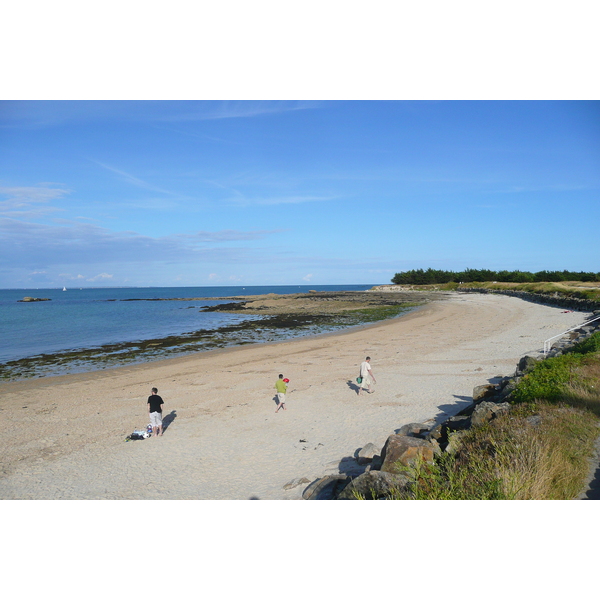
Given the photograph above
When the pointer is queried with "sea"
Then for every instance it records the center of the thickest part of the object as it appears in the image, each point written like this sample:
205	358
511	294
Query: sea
79	318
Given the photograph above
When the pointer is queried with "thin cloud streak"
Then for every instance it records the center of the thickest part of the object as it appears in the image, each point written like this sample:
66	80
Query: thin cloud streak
242	109
281	200
134	180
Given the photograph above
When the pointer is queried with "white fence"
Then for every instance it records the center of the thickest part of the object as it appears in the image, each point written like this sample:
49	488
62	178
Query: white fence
548	345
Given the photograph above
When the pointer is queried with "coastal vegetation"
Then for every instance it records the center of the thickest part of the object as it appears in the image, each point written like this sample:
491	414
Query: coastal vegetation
429	276
585	286
540	450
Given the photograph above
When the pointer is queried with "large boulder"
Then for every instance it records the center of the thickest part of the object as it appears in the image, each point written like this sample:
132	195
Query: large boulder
374	485
405	450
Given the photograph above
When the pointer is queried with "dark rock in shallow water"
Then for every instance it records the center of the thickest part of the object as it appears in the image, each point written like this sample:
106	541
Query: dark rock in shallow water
30	299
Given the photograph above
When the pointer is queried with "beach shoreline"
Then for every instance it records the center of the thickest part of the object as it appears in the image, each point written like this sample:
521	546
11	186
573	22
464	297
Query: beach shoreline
260	319
64	435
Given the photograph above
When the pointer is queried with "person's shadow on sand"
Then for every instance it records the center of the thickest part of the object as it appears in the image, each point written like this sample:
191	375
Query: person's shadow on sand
353	386
169	419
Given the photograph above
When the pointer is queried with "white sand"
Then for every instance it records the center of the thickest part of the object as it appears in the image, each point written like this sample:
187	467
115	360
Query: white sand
226	442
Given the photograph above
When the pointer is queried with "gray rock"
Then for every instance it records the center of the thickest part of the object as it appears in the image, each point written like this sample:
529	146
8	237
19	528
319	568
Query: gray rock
405	450
367	453
435	434
374	485
527	363
481	392
486	411
509	387
458	423
414	429
325	488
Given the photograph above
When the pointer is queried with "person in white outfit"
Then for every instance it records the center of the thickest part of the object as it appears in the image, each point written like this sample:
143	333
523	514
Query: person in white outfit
366	372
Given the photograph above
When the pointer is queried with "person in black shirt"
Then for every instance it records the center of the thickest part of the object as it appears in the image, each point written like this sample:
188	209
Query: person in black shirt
155	403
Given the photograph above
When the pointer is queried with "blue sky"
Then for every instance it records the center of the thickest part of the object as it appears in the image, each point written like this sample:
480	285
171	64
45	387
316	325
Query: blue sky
168	193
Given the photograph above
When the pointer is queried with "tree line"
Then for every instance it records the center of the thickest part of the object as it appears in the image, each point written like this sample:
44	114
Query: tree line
422	277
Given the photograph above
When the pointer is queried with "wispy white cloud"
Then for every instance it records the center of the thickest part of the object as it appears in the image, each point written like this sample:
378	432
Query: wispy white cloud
38	246
520	189
36	115
100	277
29	201
236	109
275	200
226	235
133	180
210	138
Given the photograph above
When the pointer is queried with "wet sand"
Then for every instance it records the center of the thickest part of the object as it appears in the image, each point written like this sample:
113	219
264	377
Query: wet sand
64	437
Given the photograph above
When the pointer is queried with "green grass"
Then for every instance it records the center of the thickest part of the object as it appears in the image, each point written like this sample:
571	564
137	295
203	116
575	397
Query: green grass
538	451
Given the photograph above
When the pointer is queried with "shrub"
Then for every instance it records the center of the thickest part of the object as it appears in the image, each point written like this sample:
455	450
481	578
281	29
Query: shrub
548	380
592	344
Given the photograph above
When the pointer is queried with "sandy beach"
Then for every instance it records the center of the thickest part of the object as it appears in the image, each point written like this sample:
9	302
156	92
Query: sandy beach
64	437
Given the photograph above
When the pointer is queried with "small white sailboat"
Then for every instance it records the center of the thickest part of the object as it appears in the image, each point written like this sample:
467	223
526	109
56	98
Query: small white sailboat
64	289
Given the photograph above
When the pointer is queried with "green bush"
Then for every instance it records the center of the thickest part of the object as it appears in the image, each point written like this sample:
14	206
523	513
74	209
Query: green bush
548	379
592	344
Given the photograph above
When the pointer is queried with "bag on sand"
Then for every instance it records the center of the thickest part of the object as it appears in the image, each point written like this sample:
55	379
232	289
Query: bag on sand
137	435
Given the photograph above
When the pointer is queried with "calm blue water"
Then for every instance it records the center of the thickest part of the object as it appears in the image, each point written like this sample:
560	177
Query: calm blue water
84	318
